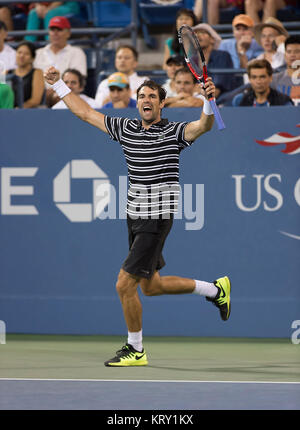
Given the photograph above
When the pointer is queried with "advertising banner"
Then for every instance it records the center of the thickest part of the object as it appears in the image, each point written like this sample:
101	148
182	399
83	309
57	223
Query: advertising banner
63	187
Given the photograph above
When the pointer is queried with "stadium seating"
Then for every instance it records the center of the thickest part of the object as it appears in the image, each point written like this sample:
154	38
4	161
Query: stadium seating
151	14
82	19
111	13
103	21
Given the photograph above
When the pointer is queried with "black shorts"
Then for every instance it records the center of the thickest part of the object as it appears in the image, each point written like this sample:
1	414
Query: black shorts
146	241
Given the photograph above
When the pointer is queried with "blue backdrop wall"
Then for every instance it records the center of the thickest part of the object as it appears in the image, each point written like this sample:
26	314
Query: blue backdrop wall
62	246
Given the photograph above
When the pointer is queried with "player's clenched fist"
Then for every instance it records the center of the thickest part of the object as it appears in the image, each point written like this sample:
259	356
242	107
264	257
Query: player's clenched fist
209	88
51	75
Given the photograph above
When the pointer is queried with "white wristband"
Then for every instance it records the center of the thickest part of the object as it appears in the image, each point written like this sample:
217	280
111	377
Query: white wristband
61	88
207	108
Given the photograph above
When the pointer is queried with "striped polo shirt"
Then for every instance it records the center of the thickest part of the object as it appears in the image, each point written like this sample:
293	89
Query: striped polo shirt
152	157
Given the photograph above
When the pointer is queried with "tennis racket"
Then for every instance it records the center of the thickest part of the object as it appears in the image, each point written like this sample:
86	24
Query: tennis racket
195	61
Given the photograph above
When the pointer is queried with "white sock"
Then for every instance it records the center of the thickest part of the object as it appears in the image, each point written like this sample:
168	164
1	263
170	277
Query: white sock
207	289
135	339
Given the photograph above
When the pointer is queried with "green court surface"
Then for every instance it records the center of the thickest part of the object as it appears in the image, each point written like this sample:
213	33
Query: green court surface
170	359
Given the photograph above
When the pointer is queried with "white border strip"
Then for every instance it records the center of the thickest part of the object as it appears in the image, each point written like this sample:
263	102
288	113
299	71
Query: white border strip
147	380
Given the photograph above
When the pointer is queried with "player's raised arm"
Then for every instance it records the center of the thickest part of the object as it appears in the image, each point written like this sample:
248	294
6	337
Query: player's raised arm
195	128
76	105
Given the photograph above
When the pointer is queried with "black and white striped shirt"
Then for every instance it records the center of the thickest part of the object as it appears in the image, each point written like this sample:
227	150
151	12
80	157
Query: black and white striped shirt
152	158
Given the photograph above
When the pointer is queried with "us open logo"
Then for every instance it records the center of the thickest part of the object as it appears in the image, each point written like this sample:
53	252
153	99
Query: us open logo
81	169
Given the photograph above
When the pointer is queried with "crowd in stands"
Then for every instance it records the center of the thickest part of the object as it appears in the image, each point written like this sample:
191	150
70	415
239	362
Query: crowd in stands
258	10
266	57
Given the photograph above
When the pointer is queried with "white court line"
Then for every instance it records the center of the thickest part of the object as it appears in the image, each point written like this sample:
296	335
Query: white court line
147	380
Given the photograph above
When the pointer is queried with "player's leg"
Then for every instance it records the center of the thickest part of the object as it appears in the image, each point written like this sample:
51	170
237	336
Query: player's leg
159	285
132	354
217	292
146	239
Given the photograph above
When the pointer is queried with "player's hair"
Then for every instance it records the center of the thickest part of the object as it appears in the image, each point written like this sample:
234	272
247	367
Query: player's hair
154	86
259	64
185	70
132	49
292	40
81	78
29	45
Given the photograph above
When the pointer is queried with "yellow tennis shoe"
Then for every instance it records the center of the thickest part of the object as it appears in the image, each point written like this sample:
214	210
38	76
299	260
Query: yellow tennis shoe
222	299
128	356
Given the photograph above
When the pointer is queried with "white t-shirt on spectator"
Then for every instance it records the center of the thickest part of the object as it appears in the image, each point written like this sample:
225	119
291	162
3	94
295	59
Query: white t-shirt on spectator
8	57
61	104
167	87
278	59
103	92
69	57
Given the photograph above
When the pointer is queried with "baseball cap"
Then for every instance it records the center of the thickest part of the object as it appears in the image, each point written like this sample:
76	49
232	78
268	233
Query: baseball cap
176	59
243	19
118	80
210	31
59	22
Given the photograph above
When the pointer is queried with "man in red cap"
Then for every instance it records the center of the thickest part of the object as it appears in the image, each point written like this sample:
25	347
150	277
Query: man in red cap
59	53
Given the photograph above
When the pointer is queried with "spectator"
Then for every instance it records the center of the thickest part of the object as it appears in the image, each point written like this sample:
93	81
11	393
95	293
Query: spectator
242	47
209	41
7	10
173	63
126	61
269	8
32	79
76	82
260	92
213	9
172	45
6	96
288	80
7	54
45	11
60	54
271	36
120	93
186	90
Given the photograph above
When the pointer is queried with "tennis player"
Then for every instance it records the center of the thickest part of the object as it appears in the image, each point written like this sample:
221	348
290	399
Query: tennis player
151	147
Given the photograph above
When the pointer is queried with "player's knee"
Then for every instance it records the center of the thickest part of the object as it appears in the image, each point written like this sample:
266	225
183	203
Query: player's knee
126	284
148	292
150	288
122	287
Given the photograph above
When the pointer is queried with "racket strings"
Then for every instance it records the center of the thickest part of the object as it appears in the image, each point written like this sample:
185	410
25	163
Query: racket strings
191	50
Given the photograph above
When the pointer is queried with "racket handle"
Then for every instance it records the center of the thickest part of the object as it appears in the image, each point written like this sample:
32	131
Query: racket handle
217	114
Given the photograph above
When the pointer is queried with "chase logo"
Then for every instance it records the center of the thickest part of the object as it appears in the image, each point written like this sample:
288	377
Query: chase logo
81	169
